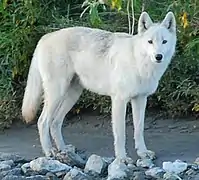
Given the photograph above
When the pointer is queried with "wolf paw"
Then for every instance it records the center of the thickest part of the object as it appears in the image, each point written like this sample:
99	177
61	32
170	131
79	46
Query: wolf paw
51	153
146	154
126	160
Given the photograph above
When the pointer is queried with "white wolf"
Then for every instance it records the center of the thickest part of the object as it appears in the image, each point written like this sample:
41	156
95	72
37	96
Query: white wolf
122	66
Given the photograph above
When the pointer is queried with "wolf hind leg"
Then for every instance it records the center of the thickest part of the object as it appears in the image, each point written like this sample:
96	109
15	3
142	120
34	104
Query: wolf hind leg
54	92
70	98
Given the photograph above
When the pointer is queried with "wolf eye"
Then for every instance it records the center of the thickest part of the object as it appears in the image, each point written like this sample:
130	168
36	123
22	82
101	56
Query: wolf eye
164	41
150	41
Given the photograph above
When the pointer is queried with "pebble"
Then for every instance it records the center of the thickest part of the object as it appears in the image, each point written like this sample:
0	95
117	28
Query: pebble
117	170
14	177
15	171
76	174
174	167
197	161
95	164
171	176
139	176
48	165
145	163
4	167
190	172
7	162
102	168
155	172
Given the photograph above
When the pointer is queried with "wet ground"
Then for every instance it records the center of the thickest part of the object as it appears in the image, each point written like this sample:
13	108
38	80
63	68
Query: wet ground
170	139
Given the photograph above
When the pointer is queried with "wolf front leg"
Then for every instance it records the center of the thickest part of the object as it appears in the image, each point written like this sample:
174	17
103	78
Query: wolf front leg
138	107
118	125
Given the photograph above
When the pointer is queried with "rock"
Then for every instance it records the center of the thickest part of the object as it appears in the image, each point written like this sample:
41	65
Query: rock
37	177
51	176
61	174
15	171
4	167
117	170
193	166
26	170
171	176
195	177
190	172
76	174
71	158
145	163
7	162
197	161
95	164
7	156
175	167
139	176
48	165
155	172
14	177
82	154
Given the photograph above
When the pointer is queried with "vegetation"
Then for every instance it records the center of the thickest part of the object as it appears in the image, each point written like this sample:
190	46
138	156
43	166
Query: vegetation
23	22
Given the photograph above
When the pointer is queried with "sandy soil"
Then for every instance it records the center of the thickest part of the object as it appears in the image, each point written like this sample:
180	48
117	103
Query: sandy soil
170	139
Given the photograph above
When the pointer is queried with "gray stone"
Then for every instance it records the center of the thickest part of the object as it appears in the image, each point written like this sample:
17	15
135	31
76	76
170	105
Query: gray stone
176	167
48	165
139	176
15	171
95	164
7	162
25	167
51	176
145	163
61	174
14	177
71	158
193	166
155	172
76	174
171	176
197	161
117	170
190	172
4	167
29	172
195	177
82	154
37	177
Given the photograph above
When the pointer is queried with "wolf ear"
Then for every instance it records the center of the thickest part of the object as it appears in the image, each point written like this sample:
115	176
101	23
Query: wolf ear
144	22
169	22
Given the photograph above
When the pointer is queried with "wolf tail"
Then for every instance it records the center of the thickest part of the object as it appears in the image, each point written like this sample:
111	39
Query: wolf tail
33	92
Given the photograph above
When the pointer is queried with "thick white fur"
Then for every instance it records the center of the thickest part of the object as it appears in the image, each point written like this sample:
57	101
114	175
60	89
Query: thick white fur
114	64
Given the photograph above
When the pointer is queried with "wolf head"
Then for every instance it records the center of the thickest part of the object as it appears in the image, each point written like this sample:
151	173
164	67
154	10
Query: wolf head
158	39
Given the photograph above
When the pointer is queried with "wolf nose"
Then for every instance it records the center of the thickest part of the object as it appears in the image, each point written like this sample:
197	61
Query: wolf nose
158	57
